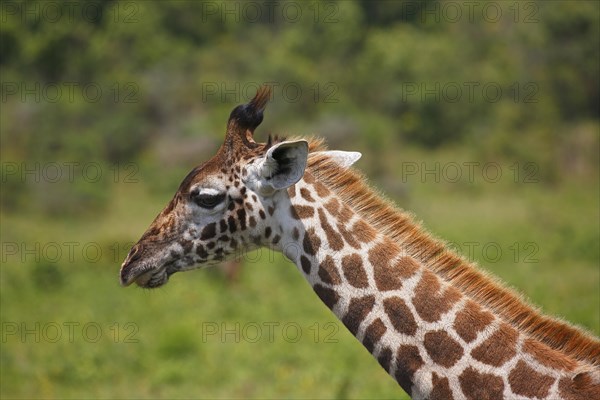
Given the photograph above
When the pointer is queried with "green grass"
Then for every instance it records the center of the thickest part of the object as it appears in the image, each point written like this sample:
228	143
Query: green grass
170	352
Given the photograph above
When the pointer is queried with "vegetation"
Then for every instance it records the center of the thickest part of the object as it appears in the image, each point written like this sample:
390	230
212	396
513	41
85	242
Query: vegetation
485	127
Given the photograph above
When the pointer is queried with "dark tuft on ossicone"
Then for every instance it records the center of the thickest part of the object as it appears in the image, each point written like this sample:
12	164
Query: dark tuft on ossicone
249	116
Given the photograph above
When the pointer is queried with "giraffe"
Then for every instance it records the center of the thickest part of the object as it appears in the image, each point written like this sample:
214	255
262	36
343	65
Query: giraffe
436	323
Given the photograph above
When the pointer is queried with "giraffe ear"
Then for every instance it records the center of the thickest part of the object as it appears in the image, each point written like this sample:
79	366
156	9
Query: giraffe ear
284	164
343	158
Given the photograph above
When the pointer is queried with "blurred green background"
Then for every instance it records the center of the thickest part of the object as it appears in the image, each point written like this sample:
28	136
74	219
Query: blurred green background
482	118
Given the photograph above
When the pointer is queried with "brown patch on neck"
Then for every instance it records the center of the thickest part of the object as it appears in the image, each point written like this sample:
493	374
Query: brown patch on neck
300	212
430	301
333	207
383	217
400	315
471	320
334	239
385	357
328	272
311	242
442	349
373	333
306	195
408	361
580	387
500	347
441	388
363	231
348	237
527	382
322	190
352	267
327	296
477	386
292	191
388	276
358	309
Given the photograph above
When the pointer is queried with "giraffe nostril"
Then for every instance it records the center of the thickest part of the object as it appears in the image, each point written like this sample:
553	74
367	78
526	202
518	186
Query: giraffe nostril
134	254
127	272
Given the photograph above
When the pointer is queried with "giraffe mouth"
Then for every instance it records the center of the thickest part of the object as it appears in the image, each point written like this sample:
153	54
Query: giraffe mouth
152	279
148	278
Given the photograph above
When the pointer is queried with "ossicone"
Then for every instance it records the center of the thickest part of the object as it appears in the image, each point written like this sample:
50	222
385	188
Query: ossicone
246	117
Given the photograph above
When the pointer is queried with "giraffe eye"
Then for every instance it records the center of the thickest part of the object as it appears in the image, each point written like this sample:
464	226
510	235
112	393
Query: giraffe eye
206	200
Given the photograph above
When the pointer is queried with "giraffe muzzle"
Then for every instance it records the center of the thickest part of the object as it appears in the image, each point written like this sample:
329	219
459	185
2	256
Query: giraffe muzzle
134	269
143	275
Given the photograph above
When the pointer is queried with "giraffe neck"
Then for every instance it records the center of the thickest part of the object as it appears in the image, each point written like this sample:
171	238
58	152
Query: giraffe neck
434	340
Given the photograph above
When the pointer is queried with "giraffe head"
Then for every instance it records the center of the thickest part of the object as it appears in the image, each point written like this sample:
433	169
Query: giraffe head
224	205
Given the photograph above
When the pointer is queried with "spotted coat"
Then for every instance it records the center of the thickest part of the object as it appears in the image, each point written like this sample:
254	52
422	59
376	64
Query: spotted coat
438	340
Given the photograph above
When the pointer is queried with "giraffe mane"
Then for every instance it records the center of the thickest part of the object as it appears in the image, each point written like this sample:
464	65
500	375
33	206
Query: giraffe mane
433	253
